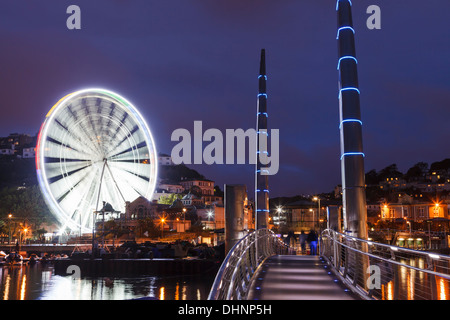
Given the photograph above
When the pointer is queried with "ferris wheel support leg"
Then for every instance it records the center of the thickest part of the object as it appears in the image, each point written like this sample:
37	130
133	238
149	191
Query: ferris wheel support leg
117	186
96	209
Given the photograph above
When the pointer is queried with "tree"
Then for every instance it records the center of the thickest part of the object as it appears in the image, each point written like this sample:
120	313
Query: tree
4	228
372	177
218	192
148	226
197	228
390	171
170	198
443	165
196	191
114	229
417	171
25	203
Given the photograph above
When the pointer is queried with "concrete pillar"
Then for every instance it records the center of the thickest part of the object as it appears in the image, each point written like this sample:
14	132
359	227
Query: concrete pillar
334	218
235	196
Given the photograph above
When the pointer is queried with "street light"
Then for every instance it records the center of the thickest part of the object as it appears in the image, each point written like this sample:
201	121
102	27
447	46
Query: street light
318	208
429	234
184	219
210	214
25	230
10	235
162	226
409	222
279	211
436	210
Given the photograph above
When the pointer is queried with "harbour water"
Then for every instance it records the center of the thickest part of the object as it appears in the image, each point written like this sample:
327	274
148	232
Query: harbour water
39	282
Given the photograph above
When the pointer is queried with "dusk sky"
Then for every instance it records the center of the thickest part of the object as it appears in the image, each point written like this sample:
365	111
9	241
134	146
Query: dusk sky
179	61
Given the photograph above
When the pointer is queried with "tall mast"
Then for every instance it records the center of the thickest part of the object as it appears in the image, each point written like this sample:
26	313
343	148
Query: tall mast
262	178
352	156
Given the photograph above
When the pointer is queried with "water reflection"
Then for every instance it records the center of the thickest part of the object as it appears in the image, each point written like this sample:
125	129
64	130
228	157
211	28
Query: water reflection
415	285
442	288
40	283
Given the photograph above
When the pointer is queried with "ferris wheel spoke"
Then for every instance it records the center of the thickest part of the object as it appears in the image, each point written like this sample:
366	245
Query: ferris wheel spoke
121	123
135	129
56	168
58	160
90	137
140	145
75	114
62	186
75	193
82	207
135	168
57	149
134	141
52	140
64	175
135	180
72	136
126	177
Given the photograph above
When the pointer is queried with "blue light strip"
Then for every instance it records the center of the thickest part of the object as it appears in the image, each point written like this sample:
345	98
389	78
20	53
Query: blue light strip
337	4
264	113
260	76
347	89
353	154
265	190
349	120
262	132
344	28
264	210
345	57
262	94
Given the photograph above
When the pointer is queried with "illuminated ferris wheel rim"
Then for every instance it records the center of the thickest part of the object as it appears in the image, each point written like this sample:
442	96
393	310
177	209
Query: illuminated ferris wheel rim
43	180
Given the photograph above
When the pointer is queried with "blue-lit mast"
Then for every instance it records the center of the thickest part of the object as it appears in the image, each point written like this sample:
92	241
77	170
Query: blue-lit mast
261	179
352	156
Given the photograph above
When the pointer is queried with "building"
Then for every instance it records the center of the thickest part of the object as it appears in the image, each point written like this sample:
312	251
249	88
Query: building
303	215
165	160
171	187
170	217
203	188
191	199
7	149
141	208
29	152
16	142
206	186
417	212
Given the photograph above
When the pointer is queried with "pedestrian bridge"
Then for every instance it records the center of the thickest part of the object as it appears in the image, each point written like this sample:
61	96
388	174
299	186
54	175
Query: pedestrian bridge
262	267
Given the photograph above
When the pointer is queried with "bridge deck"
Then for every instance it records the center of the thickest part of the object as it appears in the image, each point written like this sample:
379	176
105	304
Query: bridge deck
296	278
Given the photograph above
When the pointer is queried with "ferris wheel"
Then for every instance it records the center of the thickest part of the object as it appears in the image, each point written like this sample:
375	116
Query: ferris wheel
93	147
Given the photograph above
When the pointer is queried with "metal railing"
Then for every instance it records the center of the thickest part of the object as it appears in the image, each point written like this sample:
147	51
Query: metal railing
234	276
384	272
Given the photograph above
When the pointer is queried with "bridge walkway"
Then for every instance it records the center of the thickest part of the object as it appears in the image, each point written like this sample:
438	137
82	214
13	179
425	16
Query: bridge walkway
306	277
